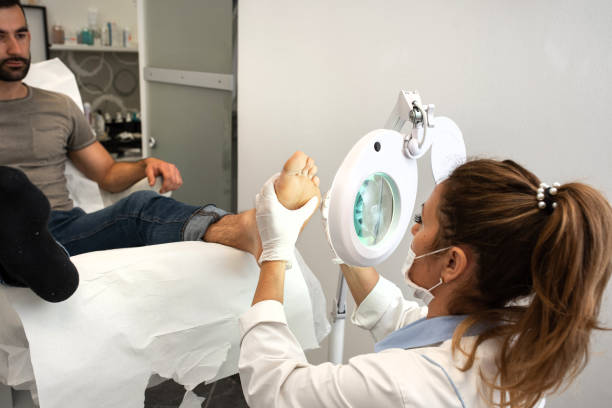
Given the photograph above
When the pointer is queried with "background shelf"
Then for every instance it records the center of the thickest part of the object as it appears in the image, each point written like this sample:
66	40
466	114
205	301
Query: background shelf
90	48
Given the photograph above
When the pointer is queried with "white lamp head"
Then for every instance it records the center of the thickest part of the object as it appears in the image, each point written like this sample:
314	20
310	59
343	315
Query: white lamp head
369	205
371	199
447	150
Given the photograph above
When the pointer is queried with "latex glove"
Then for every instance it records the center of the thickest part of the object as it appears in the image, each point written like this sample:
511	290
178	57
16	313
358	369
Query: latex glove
278	226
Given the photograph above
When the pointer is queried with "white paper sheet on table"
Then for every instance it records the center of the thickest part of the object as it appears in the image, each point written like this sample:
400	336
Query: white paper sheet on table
15	365
170	309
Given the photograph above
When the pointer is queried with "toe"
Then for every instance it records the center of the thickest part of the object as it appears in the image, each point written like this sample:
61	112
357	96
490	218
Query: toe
307	166
316	180
296	162
313	171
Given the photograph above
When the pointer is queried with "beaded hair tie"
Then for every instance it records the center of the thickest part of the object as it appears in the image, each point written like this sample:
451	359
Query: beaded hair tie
546	197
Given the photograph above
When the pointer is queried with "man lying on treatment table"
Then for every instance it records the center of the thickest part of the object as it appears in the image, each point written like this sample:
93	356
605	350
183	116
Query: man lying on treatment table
39	132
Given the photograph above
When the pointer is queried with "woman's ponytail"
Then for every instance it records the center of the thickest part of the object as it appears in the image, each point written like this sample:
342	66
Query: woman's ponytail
540	273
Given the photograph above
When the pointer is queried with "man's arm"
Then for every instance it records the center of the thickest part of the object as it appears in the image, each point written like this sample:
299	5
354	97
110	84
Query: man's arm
95	162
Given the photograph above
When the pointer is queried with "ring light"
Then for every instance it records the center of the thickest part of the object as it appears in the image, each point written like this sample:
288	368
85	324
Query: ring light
369	206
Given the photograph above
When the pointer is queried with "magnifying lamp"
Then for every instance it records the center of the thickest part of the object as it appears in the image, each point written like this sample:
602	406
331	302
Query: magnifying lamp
371	199
368	208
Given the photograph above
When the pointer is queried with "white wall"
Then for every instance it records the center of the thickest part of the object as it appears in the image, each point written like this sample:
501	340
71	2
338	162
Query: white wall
529	80
72	14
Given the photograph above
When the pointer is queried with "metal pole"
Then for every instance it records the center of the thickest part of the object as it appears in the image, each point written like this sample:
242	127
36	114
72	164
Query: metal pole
336	338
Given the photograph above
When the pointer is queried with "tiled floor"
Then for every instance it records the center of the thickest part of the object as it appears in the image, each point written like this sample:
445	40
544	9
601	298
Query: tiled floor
225	393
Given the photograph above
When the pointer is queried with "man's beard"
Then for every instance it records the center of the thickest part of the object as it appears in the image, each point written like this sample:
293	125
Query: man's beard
8	74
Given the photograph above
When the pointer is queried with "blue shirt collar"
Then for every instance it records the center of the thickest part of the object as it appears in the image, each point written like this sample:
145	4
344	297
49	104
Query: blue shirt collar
426	332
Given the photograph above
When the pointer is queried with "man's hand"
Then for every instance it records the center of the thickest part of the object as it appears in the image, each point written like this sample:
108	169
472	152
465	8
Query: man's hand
172	179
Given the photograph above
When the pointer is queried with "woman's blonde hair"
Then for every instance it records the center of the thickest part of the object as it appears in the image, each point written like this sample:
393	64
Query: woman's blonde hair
558	262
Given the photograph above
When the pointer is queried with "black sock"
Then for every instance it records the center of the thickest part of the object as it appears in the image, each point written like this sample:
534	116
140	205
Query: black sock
29	256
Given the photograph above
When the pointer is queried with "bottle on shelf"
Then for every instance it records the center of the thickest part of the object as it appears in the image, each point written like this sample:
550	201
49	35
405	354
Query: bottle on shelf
105	35
57	34
71	37
115	35
87	112
87	36
127	37
94	27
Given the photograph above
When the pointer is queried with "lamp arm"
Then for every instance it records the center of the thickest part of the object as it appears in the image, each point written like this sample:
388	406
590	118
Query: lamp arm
410	108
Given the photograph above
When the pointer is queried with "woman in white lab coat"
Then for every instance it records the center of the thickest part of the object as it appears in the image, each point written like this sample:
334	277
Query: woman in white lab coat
512	271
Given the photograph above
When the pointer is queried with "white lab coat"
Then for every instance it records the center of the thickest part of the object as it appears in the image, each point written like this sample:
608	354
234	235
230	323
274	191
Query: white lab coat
274	371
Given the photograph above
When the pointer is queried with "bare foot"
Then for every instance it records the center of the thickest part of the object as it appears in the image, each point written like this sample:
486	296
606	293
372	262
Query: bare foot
296	185
238	231
298	182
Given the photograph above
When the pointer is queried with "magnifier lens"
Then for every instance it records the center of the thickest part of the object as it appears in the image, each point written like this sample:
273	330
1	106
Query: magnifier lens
374	206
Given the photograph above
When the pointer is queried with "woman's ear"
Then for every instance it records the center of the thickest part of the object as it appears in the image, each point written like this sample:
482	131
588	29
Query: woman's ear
456	264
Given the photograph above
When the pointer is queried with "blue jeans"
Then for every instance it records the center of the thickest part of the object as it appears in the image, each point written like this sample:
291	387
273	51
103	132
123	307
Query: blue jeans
142	218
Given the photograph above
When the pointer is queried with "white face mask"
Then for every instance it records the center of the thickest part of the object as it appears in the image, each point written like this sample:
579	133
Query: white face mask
419	292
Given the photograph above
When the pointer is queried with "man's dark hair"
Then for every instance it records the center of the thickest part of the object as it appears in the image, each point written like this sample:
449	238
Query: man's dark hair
11	3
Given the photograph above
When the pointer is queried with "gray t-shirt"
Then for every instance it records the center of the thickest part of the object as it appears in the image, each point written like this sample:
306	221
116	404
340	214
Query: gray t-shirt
36	134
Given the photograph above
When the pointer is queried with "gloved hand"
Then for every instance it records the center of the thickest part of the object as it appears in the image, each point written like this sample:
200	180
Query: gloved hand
278	226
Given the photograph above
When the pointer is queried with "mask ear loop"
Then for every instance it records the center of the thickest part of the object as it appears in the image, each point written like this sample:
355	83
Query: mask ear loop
431	253
436	285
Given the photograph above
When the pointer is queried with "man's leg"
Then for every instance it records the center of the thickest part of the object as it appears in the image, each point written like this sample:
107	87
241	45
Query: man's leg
29	256
238	231
146	218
